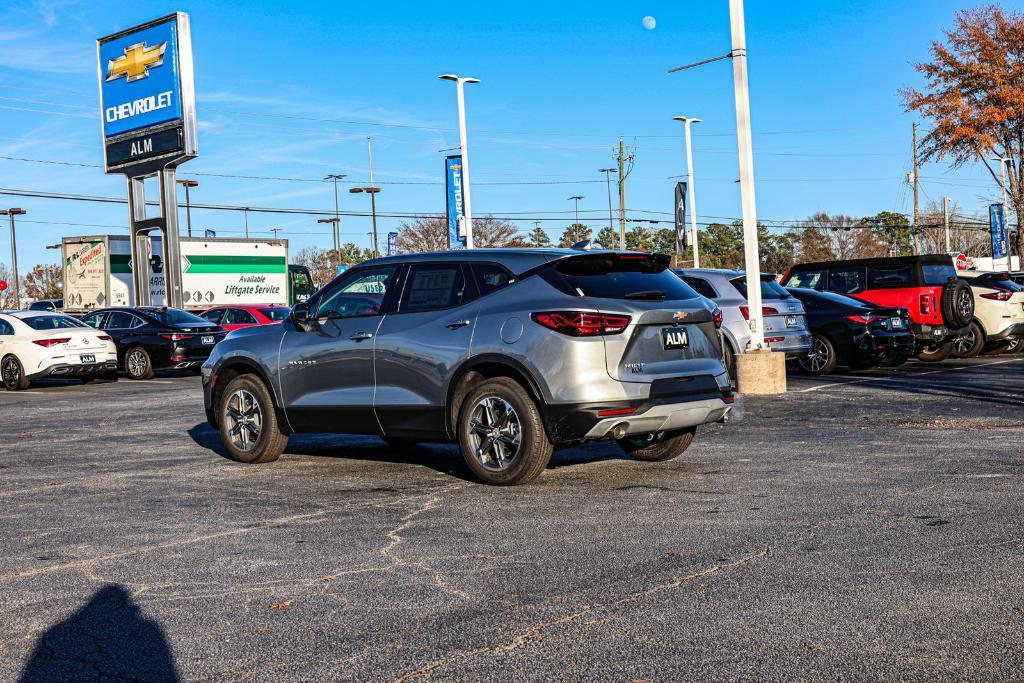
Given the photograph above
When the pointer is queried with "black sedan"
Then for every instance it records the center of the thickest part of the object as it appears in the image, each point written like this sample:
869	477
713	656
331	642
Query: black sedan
154	338
853	333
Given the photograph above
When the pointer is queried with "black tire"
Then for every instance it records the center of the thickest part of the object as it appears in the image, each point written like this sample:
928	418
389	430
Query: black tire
399	441
970	344
256	420
729	359
521	450
1016	345
957	304
138	364
935	354
822	359
658	447
197	370
13	374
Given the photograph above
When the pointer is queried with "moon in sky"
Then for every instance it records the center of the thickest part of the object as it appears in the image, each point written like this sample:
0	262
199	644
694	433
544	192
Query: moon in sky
650	22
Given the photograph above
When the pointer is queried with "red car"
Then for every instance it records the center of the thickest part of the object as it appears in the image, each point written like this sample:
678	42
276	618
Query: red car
245	315
941	306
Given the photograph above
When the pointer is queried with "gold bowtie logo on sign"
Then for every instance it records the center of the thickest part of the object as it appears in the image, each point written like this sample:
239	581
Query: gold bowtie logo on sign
136	62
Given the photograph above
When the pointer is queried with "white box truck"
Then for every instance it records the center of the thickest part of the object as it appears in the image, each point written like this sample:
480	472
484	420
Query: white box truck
215	271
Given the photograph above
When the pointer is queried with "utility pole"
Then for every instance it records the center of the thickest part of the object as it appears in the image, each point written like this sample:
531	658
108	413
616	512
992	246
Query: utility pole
917	200
622	194
11	213
945	223
275	231
608	181
337	213
245	211
188	204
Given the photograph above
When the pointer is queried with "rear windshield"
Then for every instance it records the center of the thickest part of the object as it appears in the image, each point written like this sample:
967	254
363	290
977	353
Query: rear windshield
176	316
937	273
770	289
624	277
833	298
52	322
998	282
276	314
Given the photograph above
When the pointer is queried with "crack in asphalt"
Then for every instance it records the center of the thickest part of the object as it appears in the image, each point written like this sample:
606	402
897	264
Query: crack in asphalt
535	632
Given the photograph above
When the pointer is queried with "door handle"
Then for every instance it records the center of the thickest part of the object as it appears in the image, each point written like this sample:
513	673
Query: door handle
361	336
456	324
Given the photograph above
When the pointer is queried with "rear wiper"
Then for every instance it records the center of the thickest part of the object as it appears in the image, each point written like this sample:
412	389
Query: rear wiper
653	295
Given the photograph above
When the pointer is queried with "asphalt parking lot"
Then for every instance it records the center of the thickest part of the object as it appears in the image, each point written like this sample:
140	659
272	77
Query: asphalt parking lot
860	527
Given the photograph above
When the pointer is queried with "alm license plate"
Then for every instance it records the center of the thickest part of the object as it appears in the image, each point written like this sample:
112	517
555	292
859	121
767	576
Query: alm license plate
675	338
88	358
896	323
208	340
790	321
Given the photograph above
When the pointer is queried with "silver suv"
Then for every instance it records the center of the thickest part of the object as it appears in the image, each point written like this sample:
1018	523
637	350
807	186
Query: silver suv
509	352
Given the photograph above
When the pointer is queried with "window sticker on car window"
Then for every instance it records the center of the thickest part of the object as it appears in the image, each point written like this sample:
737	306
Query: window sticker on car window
431	288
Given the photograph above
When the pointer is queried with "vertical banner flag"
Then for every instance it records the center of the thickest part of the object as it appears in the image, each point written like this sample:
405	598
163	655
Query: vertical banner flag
454	208
682	232
209	233
997	221
392	243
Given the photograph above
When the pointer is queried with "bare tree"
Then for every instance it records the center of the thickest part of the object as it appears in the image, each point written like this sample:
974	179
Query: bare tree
321	266
7	296
423	234
45	281
970	236
494	232
823	237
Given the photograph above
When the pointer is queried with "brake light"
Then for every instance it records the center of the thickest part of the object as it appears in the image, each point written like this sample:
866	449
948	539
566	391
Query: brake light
765	310
864	320
632	257
582	323
47	343
177	337
1000	295
717	313
616	411
105	337
926	304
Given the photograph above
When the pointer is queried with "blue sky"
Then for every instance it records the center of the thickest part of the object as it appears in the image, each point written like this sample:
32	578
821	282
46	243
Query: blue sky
292	91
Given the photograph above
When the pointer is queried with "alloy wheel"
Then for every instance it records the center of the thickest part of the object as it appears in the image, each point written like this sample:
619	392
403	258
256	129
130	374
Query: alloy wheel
244	420
496	433
137	364
964	304
818	358
11	372
964	342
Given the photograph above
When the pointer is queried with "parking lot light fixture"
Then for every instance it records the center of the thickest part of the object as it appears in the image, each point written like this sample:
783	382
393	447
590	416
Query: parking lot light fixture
463	152
11	213
187	184
690	190
608	181
372	191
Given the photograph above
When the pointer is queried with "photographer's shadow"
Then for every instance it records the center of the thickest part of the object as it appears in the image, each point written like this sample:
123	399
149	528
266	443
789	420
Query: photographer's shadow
107	639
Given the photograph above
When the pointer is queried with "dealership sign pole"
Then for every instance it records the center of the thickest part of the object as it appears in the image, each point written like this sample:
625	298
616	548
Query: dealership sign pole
147	101
997	222
454	206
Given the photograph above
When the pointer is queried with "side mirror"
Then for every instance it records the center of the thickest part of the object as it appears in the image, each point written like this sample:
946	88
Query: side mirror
300	315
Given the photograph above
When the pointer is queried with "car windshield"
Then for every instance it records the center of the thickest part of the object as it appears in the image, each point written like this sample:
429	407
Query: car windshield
938	273
627	276
276	314
770	289
52	322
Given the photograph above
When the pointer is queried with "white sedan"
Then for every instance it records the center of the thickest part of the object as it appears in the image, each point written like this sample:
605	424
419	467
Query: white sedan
37	344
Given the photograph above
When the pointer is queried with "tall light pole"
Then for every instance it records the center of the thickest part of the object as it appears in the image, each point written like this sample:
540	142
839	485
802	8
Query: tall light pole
188	205
337	211
690	191
245	211
12	212
333	222
577	198
1002	181
464	152
752	260
608	180
372	191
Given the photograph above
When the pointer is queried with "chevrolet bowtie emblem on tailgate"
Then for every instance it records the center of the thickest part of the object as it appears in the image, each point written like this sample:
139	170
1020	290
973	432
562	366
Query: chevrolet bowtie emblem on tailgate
680	315
136	62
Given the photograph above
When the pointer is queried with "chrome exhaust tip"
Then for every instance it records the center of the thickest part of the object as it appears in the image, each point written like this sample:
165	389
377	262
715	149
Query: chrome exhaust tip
619	430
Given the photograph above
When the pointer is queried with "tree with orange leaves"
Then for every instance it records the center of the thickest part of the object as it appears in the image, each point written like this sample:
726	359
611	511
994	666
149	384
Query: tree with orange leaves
975	97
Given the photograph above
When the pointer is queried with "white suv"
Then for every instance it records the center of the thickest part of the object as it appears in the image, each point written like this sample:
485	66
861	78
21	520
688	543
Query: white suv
998	314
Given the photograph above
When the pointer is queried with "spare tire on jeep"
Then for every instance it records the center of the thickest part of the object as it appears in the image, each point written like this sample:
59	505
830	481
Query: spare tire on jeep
957	304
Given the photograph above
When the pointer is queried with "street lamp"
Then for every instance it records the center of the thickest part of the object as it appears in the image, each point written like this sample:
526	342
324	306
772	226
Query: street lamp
690	191
245	211
463	152
337	213
12	212
608	179
577	198
188	205
372	191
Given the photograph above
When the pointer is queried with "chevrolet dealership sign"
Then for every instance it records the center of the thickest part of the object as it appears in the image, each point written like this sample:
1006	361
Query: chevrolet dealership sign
147	96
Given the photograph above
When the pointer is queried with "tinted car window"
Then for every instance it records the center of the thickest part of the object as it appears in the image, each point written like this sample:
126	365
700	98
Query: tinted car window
846	280
809	279
276	314
434	287
239	316
937	273
119	320
827	299
770	289
213	316
701	286
623	278
94	319
51	322
893	276
41	306
176	316
362	293
6	328
490	277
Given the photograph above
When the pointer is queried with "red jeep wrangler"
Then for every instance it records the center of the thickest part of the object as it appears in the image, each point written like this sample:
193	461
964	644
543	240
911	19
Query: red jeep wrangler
941	306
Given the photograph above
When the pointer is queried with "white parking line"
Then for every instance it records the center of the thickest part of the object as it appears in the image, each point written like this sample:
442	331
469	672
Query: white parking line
909	375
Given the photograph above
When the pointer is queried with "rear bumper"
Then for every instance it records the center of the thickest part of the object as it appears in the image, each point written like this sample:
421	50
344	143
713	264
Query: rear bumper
793	343
75	369
931	335
1011	330
874	347
672	404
